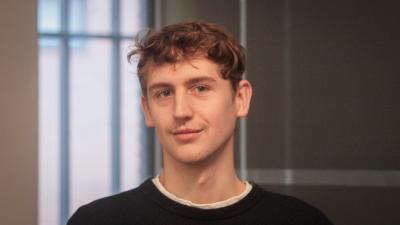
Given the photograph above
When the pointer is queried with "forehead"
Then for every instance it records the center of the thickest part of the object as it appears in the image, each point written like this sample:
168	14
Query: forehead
182	70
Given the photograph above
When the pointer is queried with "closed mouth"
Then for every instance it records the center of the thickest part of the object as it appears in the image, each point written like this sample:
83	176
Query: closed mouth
187	135
186	131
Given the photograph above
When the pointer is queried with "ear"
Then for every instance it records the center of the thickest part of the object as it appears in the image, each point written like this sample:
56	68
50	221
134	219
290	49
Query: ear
244	92
146	111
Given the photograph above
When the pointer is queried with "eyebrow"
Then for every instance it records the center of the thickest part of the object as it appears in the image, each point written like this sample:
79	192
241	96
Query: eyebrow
196	80
189	82
158	86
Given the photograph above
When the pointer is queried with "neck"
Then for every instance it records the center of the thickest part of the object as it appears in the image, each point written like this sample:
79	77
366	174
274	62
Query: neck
203	182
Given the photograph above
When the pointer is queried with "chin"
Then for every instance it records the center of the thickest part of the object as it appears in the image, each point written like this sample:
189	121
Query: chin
195	160
192	155
191	158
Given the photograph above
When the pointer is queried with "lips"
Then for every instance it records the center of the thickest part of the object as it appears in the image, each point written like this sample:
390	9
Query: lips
187	134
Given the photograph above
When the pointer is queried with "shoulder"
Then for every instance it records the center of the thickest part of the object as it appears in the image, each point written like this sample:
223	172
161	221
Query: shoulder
112	208
290	209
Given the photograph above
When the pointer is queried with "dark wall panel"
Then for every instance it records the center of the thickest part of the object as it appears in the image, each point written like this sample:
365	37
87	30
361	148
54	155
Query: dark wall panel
326	84
265	68
224	12
350	205
345	85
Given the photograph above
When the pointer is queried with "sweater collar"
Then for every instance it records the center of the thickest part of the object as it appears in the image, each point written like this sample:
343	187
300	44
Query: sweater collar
250	200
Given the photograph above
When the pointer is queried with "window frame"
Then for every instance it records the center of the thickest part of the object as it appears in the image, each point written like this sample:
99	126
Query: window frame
64	37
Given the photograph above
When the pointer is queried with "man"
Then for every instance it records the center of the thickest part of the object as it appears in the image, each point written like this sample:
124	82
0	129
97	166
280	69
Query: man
193	94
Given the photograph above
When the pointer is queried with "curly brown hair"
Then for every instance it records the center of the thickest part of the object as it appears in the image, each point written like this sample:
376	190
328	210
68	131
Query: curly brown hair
184	41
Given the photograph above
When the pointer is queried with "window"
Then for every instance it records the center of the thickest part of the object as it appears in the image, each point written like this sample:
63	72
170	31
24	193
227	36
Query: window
92	138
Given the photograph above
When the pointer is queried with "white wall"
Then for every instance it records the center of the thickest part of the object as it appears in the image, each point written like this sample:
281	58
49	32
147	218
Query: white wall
18	112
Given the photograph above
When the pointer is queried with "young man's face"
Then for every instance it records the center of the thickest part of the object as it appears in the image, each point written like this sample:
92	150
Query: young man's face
193	109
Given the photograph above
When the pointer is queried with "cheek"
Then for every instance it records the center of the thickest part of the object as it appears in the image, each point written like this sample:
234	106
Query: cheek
218	111
159	117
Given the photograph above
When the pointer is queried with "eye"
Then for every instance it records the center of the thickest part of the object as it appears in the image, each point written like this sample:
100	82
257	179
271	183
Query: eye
164	93
201	88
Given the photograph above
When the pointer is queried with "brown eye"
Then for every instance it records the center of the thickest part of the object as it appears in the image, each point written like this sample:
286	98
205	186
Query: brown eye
164	93
201	88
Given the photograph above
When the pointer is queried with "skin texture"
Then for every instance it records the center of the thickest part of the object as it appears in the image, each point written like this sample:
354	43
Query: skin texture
194	111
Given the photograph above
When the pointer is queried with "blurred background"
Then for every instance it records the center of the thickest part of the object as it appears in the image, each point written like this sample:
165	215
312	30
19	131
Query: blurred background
324	121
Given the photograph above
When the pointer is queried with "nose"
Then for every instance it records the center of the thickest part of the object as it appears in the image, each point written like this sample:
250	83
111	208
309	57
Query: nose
182	108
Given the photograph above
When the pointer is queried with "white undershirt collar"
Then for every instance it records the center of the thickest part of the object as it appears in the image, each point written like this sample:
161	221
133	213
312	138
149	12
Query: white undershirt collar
214	205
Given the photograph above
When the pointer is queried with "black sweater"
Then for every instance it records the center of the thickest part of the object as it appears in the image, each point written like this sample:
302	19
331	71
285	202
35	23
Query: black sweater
145	205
